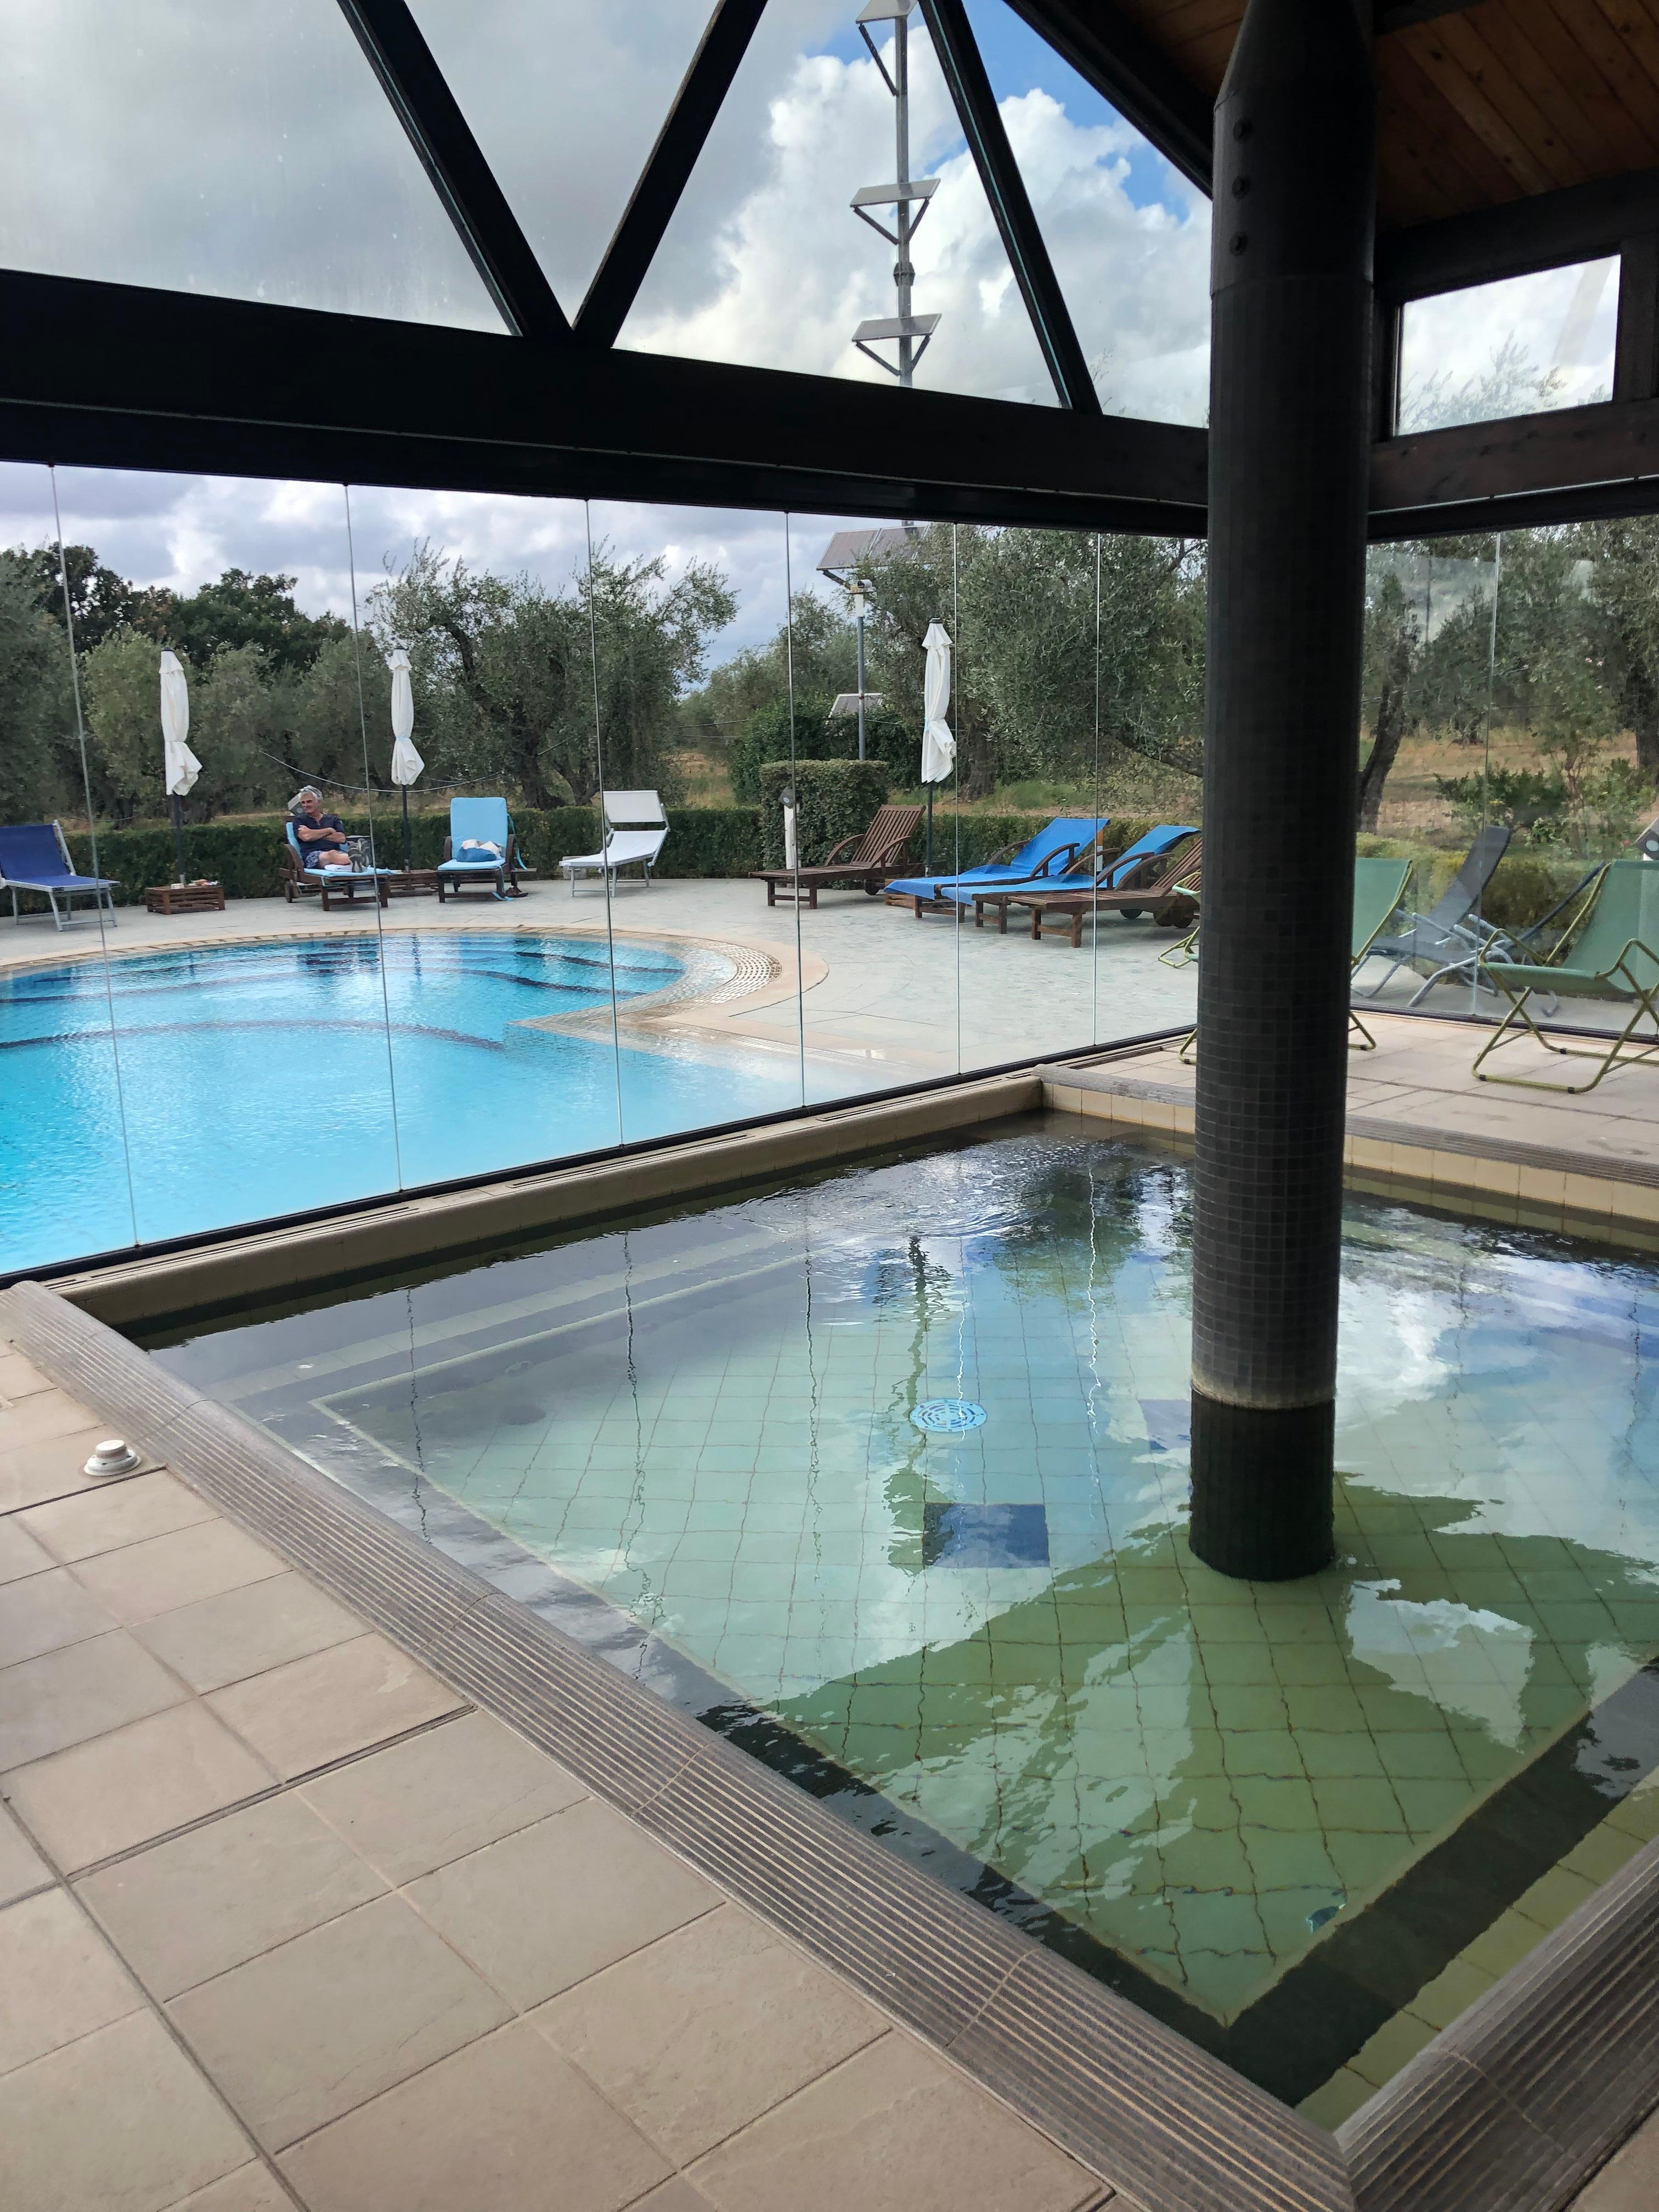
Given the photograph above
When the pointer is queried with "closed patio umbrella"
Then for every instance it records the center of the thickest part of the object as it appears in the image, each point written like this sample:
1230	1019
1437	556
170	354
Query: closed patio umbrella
406	762
939	747
181	765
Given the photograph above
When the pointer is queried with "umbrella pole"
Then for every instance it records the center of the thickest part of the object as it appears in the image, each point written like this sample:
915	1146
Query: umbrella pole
927	866
178	834
404	788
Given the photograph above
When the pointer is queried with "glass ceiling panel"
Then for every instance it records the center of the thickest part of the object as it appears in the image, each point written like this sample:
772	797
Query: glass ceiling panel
766	263
1522	347
566	101
243	151
1128	236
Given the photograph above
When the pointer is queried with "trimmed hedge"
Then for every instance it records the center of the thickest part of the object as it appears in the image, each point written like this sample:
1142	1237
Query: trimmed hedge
247	857
833	799
811	732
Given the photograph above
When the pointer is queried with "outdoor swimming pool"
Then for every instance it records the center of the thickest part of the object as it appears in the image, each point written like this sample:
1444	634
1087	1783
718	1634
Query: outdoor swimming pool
885	1474
245	1081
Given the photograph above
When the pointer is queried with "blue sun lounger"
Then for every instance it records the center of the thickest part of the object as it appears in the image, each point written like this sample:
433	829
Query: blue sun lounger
299	875
1048	854
476	825
968	891
33	857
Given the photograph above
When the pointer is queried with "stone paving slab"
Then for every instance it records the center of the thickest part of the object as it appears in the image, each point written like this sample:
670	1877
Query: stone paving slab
285	1924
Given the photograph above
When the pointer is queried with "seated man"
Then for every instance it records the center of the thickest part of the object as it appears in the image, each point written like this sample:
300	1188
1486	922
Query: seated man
322	837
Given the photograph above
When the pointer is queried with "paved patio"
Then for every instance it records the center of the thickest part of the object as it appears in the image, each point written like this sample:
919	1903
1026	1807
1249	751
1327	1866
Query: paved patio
286	1921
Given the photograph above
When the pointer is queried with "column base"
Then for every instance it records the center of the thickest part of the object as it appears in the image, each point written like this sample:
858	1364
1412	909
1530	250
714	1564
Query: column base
1262	1489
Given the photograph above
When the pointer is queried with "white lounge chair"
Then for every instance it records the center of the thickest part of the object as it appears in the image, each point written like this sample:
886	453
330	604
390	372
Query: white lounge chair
635	827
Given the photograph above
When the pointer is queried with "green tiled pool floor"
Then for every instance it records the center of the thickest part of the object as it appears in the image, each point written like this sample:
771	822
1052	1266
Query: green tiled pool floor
707	1422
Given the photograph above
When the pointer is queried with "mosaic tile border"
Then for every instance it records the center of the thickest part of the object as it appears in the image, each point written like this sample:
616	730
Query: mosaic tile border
1514	2106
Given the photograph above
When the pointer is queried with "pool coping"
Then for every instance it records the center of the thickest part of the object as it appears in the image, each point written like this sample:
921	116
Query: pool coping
1515	2104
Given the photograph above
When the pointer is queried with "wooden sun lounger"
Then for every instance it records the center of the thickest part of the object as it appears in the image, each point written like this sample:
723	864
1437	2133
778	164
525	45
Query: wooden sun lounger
859	863
1159	884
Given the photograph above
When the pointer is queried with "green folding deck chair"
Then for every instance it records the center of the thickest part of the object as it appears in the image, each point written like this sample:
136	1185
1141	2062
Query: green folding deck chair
1606	952
1379	892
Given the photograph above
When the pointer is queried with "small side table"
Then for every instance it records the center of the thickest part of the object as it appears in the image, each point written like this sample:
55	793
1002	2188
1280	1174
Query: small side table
410	883
185	898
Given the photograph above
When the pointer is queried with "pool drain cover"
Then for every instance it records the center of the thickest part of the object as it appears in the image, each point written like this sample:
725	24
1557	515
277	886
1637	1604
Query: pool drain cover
948	1417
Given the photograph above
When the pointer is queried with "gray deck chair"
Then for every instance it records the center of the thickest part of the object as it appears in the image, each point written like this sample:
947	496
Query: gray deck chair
1451	939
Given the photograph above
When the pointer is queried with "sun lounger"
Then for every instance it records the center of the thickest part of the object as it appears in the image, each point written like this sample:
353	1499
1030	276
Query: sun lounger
636	831
1155	885
1124	868
480	848
301	875
1449	941
1048	853
33	857
866	863
1608	951
1379	892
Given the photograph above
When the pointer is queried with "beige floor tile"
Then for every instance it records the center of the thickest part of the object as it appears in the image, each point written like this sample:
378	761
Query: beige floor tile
20	1378
20	1554
40	1417
116	1513
22	1867
541	1910
247	1630
165	1572
81	1690
59	1979
675	2195
160	2132
137	1782
212	1899
504	2126
307	2032
700	2033
45	1612
441	1795
34	1472
1630	2181
895	2129
249	2189
323	1708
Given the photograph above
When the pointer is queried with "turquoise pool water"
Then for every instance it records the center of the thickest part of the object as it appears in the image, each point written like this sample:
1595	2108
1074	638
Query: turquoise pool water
740	1449
253	1080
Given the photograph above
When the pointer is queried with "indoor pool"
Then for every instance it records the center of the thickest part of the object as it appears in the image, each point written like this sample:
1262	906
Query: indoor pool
886	1474
252	1080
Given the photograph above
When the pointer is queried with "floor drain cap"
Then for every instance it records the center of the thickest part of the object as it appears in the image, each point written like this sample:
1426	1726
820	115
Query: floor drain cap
948	1417
115	1456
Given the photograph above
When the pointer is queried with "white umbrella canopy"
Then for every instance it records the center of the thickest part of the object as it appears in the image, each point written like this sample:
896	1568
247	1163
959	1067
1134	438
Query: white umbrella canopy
181	765
939	747
406	762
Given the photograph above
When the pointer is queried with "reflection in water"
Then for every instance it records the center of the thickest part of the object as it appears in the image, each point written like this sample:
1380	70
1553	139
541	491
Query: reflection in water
706	1421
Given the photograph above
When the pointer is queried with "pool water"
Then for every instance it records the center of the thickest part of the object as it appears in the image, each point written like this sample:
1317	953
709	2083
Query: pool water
250	1081
1268	1812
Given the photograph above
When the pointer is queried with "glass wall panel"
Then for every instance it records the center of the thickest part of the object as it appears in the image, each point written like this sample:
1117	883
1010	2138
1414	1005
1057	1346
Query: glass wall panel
244	151
1519	347
64	1187
498	962
765	261
1128	236
221	676
566	102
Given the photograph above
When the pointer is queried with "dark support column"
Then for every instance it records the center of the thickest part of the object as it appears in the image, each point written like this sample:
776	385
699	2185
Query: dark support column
1290	402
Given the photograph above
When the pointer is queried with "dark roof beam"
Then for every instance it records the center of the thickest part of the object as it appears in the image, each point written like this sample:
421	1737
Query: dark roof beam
1125	67
463	179
665	175
1011	203
1581	222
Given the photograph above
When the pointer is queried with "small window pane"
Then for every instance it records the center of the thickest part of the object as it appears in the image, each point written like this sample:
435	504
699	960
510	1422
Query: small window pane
244	151
1518	347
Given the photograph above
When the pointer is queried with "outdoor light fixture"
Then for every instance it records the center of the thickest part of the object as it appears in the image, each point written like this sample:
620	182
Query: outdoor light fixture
907	197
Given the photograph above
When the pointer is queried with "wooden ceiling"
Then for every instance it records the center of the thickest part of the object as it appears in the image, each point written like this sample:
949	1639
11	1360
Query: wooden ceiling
1477	105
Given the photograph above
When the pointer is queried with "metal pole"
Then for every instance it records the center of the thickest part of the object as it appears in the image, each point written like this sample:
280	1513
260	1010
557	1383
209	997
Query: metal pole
1291	327
178	833
861	631
903	269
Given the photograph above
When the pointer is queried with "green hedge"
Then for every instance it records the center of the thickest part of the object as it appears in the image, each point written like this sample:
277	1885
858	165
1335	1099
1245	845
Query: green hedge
247	857
811	732
834	799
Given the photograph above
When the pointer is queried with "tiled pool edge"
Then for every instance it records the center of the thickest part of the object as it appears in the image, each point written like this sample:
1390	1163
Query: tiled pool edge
1155	2117
1496	1178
